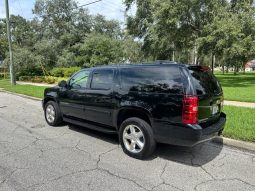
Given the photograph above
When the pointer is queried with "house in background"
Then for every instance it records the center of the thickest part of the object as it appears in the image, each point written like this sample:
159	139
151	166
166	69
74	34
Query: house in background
250	66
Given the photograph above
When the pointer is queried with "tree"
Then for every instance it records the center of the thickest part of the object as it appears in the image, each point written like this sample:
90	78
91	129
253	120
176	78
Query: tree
103	26
98	49
169	26
131	50
56	15
231	36
3	48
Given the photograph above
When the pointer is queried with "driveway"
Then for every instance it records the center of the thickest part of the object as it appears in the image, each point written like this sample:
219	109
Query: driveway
34	156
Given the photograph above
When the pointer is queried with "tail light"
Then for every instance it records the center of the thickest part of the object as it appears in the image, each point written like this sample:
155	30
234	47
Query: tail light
190	110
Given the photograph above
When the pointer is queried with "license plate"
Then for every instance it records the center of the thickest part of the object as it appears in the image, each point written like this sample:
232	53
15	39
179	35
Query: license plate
215	109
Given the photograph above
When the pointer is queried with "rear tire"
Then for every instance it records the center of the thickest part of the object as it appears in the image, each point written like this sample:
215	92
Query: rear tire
136	138
52	114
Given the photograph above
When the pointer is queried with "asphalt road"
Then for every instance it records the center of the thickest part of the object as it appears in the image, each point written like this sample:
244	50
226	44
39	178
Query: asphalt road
34	156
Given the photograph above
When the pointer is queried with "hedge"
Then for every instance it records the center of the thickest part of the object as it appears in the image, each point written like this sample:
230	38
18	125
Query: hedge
64	72
38	79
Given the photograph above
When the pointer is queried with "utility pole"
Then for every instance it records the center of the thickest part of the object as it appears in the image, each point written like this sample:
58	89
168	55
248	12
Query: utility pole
12	73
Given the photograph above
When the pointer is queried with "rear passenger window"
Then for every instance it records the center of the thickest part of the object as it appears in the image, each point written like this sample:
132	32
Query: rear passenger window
102	79
163	79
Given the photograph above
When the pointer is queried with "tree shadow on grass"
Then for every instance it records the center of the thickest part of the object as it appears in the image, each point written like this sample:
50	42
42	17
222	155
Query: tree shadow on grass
237	81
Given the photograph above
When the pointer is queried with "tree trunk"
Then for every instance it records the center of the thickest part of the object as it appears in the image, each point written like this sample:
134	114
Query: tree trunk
235	70
223	69
213	63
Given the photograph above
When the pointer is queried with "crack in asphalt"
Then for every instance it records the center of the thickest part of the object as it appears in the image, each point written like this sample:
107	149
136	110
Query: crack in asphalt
222	180
79	149
21	149
207	172
98	167
115	175
164	181
98	162
10	175
7	177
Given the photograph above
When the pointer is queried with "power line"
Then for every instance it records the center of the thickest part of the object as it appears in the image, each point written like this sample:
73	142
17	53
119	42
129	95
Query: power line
88	4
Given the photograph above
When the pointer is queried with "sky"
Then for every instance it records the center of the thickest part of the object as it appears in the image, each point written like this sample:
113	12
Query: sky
111	9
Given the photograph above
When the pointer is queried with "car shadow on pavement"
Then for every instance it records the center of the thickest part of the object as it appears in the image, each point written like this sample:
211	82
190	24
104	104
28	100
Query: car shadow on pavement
198	155
194	156
110	138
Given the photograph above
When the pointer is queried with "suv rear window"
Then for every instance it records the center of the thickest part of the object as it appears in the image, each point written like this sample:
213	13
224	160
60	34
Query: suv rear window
163	79
205	82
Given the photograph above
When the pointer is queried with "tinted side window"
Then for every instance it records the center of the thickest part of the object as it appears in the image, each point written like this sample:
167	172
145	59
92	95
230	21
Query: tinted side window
102	79
163	79
205	82
79	80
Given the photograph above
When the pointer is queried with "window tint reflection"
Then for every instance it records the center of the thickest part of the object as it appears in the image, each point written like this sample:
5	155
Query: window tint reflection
205	82
152	79
102	79
79	81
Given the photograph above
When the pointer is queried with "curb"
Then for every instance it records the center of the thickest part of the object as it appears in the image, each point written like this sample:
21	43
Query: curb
21	95
243	145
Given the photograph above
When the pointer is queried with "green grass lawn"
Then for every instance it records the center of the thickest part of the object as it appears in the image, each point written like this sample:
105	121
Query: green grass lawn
240	123
35	91
238	88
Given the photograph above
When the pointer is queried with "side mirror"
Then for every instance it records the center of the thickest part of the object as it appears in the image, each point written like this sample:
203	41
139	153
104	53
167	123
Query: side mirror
62	84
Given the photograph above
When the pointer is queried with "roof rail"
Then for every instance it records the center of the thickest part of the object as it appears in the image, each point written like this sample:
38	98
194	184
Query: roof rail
165	62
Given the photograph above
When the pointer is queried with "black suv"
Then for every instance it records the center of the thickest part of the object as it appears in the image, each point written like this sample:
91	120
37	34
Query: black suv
144	103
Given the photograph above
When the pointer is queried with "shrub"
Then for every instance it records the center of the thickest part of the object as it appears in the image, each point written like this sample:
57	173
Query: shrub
57	72
50	80
64	72
37	79
70	71
1	76
25	78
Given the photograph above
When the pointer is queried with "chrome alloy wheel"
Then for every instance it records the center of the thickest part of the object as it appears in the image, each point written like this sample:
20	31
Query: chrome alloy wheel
133	138
50	113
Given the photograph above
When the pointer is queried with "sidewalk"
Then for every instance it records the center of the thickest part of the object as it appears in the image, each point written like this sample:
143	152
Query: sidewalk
35	84
239	104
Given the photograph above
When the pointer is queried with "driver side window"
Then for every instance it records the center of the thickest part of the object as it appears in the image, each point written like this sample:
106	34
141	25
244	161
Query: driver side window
79	81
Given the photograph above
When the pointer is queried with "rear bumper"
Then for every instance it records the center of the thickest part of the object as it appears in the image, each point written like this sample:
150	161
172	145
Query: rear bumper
187	135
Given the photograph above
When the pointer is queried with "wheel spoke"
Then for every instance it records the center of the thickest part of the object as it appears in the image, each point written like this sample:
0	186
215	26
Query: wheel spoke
139	134
127	136
132	129
139	144
132	145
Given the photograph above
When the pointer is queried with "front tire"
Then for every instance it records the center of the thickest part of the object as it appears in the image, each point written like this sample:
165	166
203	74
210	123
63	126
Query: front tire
52	114
136	138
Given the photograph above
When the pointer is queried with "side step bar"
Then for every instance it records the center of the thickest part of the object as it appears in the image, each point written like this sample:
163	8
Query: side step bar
89	126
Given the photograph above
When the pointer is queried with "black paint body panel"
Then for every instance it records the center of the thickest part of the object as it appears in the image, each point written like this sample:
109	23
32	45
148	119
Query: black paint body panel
100	109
